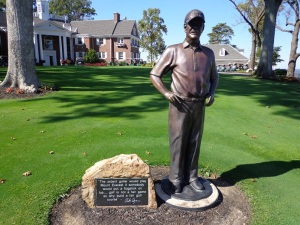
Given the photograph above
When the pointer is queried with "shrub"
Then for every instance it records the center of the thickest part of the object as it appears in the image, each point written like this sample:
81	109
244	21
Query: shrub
280	72
91	56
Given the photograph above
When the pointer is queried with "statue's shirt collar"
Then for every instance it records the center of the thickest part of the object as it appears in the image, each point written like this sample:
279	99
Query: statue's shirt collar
185	44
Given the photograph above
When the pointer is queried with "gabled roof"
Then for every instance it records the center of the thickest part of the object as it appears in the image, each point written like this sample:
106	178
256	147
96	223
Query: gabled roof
104	27
94	27
232	55
124	27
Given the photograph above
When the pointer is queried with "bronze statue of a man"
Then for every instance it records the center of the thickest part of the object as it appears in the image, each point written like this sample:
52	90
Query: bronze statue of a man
194	81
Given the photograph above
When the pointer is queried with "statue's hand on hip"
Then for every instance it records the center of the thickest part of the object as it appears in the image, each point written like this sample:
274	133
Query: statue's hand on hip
209	100
171	97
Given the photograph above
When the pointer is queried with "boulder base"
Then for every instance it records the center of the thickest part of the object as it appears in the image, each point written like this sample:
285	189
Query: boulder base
120	166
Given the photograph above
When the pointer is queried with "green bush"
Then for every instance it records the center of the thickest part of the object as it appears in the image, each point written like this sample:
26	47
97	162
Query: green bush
91	56
280	72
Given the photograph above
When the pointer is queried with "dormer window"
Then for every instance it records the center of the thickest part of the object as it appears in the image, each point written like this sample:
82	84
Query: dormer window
222	52
120	40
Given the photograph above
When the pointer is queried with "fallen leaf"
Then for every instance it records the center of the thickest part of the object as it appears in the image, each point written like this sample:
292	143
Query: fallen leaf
26	174
253	180
51	152
268	106
85	153
245	134
42	131
213	176
2	181
254	137
120	133
148	153
13	138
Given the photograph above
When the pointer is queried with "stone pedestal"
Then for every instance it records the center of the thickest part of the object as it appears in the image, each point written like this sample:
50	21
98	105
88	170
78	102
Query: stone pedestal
189	199
121	166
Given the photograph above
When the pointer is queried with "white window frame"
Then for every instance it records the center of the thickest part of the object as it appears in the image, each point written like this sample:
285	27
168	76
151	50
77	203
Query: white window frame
101	42
120	40
80	39
102	55
222	52
123	56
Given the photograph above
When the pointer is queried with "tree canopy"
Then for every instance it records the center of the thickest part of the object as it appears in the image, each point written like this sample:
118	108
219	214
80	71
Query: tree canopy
73	9
151	28
221	34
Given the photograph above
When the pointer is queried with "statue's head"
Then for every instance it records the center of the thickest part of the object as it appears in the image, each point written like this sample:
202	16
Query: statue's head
194	24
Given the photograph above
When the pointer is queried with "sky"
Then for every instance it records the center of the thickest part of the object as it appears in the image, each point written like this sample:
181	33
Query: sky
174	11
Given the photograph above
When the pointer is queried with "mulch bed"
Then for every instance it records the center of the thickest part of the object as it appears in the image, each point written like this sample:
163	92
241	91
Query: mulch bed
232	209
9	93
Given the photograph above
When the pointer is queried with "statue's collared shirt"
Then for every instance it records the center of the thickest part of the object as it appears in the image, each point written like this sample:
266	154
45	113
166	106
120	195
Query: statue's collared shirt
193	69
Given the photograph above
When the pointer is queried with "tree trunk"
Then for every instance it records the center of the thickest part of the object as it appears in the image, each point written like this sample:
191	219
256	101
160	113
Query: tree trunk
293	53
21	64
253	52
264	68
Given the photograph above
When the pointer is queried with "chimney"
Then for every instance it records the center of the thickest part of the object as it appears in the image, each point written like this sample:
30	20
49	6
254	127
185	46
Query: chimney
116	17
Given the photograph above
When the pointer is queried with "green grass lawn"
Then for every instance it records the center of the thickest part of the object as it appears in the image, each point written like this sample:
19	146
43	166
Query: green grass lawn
251	136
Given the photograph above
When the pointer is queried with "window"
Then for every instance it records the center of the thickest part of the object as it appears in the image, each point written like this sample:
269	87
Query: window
102	55
222	52
80	41
120	40
120	55
48	44
100	41
80	54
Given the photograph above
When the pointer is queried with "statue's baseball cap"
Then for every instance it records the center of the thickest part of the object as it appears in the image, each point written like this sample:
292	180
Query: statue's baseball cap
195	13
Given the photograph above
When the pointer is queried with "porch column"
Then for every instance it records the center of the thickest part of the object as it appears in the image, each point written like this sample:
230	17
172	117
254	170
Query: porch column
65	47
72	48
60	49
41	47
36	48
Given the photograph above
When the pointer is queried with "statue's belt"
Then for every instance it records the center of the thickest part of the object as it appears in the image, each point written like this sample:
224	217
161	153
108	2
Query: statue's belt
188	99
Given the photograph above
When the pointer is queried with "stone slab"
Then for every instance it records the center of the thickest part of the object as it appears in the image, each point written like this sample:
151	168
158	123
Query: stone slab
120	166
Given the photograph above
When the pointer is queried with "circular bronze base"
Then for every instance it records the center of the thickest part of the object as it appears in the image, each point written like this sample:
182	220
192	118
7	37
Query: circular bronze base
189	199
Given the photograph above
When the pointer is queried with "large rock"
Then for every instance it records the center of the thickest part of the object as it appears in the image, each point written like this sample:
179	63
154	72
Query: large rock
121	166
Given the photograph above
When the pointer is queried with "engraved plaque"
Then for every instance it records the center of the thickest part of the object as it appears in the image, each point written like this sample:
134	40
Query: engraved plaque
121	191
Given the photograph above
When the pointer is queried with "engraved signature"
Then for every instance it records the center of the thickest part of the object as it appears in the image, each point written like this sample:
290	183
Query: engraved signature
132	200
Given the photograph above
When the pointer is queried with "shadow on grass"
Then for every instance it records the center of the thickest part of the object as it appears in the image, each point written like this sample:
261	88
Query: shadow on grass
102	92
258	170
112	92
266	92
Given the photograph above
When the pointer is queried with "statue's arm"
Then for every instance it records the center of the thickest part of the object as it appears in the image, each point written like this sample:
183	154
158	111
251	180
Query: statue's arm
214	79
160	86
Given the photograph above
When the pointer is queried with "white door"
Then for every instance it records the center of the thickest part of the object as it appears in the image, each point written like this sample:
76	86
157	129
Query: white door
50	58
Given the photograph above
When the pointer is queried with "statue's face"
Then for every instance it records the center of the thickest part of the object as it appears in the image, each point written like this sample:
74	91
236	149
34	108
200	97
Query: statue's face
194	28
